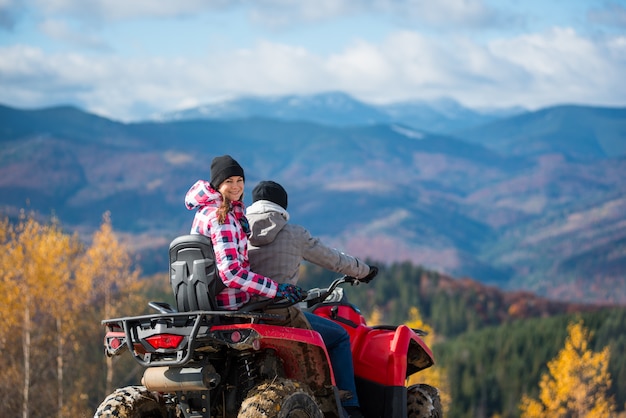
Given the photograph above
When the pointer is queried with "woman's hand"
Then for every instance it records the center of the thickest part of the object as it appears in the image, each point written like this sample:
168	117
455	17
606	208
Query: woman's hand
290	292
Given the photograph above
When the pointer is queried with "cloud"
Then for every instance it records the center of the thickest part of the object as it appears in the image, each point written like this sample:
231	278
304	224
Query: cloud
280	14
82	62
532	70
274	13
612	14
558	66
115	10
10	12
442	13
60	30
562	65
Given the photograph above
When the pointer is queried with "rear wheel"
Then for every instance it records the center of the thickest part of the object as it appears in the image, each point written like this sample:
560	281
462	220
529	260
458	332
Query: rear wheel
132	402
280	398
423	401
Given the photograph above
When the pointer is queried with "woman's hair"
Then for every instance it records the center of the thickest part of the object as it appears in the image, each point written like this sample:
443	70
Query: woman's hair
222	211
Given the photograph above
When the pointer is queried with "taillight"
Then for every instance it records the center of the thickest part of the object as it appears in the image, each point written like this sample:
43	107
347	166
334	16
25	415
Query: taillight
114	342
164	340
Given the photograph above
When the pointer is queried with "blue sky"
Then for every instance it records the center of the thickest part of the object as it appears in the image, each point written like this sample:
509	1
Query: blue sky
132	59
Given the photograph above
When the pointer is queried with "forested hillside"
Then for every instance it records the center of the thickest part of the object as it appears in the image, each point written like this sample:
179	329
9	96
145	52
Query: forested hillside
451	306
489	369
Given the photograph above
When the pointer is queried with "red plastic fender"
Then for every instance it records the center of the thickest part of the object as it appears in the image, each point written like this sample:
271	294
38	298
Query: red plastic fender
389	357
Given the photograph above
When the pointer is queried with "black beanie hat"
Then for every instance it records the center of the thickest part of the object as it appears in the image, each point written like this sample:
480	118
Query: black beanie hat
270	190
222	168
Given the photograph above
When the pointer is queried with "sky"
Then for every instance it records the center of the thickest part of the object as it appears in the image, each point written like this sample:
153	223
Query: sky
131	60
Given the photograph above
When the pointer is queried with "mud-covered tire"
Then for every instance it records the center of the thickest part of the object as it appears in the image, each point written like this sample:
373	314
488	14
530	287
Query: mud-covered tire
132	402
280	398
423	401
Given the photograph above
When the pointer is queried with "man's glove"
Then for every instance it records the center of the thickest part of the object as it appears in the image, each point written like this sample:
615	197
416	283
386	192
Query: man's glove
373	272
290	292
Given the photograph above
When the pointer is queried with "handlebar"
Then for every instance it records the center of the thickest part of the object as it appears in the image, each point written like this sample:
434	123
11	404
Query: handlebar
318	295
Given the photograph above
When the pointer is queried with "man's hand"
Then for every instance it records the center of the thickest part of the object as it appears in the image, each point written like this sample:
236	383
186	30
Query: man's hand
373	272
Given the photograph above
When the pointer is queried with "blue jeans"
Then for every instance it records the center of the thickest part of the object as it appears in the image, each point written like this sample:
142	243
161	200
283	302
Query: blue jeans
337	343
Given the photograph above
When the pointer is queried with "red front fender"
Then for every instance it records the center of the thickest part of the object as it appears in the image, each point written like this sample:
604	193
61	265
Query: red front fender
389	357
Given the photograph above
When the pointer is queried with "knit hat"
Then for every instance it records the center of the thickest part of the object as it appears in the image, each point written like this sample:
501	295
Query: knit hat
270	190
222	168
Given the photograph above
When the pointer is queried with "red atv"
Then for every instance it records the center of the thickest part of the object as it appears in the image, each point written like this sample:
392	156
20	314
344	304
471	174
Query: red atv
201	362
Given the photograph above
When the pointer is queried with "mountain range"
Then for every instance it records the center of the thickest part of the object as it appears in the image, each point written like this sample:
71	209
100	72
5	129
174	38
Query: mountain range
527	200
339	109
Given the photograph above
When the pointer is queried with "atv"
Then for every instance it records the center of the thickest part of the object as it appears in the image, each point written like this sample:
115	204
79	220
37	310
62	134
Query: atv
202	362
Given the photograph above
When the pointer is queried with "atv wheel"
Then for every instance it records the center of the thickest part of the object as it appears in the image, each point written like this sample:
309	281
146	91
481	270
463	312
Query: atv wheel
423	402
280	398
132	402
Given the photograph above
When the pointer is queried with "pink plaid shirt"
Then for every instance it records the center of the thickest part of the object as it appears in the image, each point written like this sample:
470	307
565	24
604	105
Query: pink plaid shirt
230	244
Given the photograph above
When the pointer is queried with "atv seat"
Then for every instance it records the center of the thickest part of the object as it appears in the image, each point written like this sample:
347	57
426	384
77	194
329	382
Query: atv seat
193	273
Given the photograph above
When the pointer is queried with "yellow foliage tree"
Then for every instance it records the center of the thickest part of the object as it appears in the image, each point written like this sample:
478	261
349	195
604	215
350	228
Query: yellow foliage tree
576	384
107	265
435	375
9	291
375	317
37	269
50	294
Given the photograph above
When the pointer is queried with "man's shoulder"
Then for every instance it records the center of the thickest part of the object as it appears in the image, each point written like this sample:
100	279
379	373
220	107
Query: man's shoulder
296	228
295	232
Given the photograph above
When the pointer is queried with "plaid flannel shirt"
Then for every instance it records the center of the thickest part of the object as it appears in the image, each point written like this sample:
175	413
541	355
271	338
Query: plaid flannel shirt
230	244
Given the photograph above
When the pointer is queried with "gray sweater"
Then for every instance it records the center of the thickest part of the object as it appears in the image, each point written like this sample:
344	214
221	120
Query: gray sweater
276	248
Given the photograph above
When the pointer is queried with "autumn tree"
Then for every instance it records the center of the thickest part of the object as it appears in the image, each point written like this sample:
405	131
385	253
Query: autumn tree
69	300
53	295
435	375
577	382
375	317
36	264
8	284
107	264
